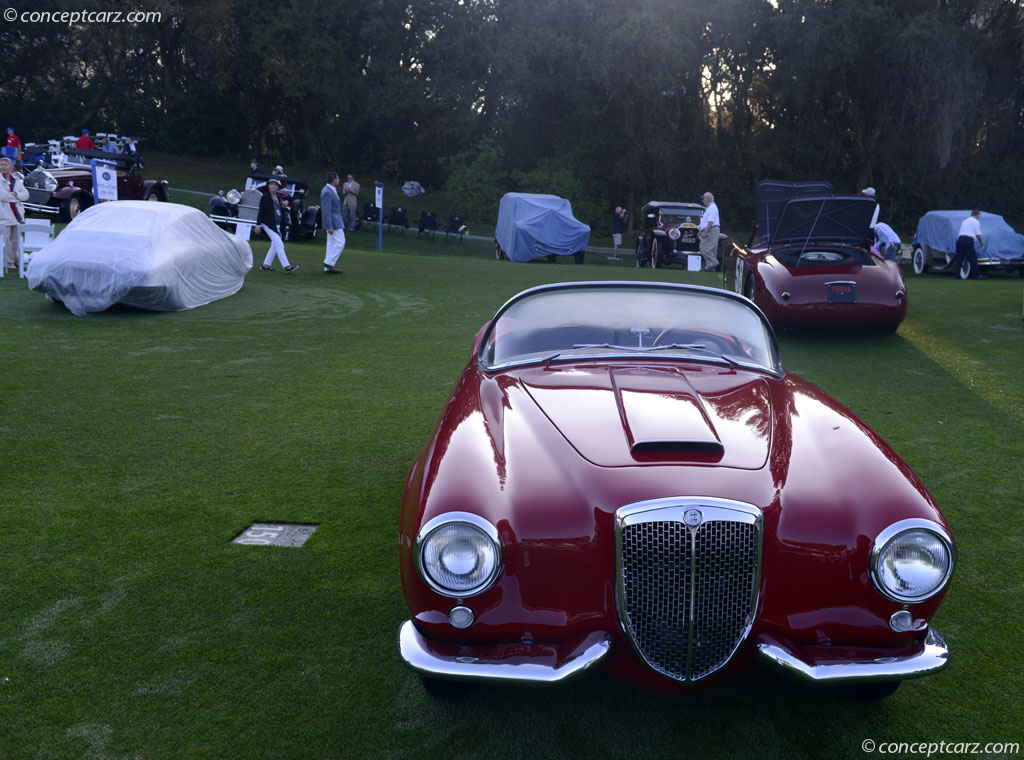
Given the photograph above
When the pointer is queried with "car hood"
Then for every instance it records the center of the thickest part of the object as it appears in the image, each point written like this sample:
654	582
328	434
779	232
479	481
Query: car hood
833	218
618	416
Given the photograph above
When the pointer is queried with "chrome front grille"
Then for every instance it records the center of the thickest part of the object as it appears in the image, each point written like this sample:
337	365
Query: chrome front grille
687	593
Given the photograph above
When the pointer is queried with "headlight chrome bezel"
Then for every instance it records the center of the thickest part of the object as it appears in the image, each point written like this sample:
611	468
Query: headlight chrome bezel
675	233
474	523
892	533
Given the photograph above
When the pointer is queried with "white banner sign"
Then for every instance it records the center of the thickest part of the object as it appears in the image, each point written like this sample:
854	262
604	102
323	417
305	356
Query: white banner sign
104	180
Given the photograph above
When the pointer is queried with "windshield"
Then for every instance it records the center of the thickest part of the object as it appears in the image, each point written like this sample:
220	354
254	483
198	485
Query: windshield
568	323
678	216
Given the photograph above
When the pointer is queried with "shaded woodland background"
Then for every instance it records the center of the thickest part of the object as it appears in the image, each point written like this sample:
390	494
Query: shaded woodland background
602	101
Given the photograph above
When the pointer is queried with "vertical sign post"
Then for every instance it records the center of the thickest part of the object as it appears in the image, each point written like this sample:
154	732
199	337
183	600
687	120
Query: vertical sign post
104	180
378	201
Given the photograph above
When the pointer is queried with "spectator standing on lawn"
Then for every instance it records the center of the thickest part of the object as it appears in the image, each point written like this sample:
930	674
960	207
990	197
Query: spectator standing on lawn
85	142
970	230
350	209
618	227
710	226
12	195
269	219
330	210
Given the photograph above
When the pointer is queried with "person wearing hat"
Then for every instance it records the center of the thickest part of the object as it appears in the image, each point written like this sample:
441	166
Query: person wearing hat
870	191
707	231
13	148
269	218
85	142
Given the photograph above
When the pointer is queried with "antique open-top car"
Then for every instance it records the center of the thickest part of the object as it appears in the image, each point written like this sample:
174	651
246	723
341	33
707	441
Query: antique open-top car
66	190
626	477
810	261
669	234
300	221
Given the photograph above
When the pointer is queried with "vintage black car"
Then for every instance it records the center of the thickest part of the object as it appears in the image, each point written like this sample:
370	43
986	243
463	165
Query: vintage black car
65	188
669	234
301	221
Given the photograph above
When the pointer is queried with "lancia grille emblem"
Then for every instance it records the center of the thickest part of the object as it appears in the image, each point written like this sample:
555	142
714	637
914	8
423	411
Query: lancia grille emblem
693	517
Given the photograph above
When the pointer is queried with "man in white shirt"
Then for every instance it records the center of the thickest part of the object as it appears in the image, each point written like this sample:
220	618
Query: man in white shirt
710	225
970	229
887	241
870	192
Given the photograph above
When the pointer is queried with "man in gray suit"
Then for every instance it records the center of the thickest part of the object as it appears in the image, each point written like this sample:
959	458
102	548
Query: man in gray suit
330	210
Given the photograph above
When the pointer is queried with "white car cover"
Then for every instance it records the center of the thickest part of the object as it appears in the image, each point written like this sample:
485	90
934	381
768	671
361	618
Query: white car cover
160	256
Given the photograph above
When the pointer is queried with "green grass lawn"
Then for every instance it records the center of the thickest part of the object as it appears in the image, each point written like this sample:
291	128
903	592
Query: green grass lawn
134	446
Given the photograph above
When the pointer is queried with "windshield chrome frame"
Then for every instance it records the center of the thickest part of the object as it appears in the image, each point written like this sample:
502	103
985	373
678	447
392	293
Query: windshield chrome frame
777	371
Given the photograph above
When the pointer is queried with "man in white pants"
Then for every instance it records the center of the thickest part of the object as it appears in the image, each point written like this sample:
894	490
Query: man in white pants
330	212
270	220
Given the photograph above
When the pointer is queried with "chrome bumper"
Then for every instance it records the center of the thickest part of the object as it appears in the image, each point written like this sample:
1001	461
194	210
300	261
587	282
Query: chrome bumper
929	656
507	663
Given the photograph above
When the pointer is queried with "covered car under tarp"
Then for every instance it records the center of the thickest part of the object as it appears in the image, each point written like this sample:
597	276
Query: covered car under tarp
531	226
159	256
939	230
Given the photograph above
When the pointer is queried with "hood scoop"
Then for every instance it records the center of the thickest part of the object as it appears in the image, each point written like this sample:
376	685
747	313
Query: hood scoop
623	416
663	424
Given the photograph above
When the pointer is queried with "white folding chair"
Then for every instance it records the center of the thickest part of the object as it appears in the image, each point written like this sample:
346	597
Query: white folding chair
35	235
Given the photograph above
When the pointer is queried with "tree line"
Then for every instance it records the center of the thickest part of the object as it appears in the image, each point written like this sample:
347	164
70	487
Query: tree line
601	101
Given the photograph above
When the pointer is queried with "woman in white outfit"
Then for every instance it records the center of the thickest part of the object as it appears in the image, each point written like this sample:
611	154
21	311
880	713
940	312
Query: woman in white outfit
269	219
12	195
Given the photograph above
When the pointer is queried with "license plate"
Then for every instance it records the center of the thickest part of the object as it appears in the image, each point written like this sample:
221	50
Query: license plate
842	292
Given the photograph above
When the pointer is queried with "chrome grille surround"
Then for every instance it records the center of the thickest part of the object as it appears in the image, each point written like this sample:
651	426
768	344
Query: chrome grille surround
687	593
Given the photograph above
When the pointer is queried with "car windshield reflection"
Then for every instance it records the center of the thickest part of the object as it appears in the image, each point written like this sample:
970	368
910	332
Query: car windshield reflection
573	322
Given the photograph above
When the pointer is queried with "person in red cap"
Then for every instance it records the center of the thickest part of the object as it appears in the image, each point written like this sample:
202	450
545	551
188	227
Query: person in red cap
13	148
85	142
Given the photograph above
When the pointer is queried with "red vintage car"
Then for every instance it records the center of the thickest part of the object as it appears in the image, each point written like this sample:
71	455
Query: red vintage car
66	190
626	478
810	261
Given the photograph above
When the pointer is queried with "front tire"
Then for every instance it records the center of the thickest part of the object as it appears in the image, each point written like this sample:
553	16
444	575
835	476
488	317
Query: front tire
71	207
156	195
655	253
919	261
641	260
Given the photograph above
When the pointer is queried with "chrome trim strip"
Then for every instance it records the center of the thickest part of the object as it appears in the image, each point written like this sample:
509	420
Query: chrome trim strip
932	656
523	669
672	509
888	534
455	517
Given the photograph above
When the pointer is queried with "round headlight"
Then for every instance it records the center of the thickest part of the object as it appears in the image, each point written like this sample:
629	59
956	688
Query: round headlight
912	560
458	554
233	197
674	233
49	182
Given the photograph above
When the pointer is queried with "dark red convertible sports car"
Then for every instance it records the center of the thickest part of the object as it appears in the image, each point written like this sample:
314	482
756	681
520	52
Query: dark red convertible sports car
810	262
626	478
